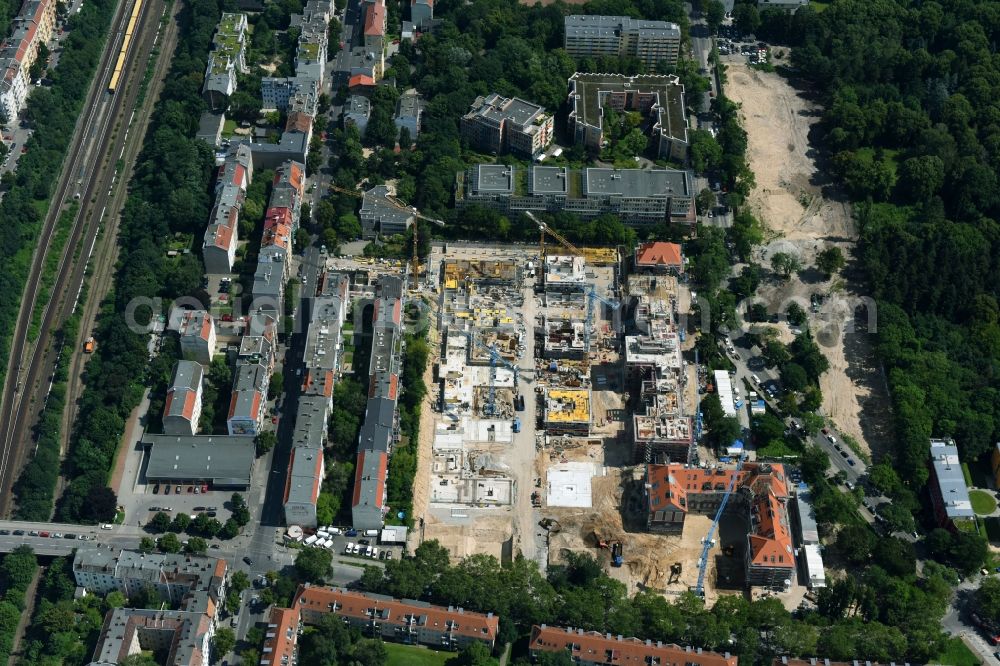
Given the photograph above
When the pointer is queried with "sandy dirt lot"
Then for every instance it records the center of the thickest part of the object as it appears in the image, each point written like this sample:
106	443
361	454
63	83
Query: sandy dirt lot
802	222
647	557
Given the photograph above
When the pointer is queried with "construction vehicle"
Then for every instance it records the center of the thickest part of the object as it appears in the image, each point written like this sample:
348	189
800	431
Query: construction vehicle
415	262
709	539
89	345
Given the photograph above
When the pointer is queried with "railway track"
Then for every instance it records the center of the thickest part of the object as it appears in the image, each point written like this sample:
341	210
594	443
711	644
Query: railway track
105	254
89	176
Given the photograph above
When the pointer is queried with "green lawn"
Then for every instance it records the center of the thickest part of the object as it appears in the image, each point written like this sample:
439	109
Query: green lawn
982	502
413	655
956	654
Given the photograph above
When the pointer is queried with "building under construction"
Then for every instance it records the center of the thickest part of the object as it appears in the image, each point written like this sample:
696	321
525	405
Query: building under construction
563	338
462	273
565	274
662	424
566	411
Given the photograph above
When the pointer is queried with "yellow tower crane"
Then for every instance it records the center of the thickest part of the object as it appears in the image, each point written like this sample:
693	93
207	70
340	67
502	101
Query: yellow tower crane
415	262
546	229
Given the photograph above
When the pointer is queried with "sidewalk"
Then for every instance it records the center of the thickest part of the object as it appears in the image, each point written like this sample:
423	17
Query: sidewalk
129	457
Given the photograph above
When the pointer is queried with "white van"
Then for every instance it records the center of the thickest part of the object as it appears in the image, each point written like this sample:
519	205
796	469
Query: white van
311	539
368	551
349	548
374	554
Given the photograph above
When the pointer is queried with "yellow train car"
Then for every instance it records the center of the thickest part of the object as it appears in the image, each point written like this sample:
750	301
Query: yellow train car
130	29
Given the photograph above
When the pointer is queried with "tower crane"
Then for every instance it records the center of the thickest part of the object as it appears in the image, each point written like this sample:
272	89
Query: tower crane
707	544
490	408
546	229
592	296
415	263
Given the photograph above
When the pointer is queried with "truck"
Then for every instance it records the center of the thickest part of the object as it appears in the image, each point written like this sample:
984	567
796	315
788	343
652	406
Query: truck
89	345
517	425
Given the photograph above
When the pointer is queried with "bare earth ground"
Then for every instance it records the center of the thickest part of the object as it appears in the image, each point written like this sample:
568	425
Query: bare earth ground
778	119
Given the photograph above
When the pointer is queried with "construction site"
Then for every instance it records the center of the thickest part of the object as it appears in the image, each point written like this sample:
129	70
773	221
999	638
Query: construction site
565	380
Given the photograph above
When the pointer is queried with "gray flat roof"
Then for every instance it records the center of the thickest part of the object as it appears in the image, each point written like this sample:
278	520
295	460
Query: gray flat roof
636	182
304	481
187	375
549	180
310	422
587	25
592	88
222	459
358	104
494	178
950	479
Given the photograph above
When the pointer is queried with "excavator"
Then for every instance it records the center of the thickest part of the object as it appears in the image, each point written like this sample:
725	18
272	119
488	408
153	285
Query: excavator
415	262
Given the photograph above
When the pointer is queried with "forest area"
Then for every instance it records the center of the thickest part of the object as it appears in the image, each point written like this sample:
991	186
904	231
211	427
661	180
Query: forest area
911	127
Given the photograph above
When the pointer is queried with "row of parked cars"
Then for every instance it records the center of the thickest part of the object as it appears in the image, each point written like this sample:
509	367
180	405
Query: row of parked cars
363	550
47	535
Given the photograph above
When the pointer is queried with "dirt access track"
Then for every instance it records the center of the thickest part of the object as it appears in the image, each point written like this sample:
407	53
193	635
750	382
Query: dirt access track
790	203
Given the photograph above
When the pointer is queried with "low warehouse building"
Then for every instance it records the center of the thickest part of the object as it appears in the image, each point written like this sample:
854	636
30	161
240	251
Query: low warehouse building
220	461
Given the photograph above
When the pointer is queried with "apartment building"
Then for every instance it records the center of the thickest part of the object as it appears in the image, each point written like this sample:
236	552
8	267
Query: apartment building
949	494
197	335
249	401
312	52
281	638
380	429
496	124
32	27
790	6
659	257
641	197
226	60
651	42
222	235
183	637
173	577
182	407
409	111
398	620
592	648
660	100
380	217
759	491
322	359
289	93
422	13
357	111
374	34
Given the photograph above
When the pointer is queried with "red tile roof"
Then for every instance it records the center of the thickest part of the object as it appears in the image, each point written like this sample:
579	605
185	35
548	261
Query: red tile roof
375	19
383	463
360	80
770	537
659	254
398	612
281	637
591	646
299	122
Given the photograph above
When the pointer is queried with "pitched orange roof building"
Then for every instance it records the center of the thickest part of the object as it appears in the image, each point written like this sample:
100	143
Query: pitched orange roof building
591	648
402	621
659	257
281	639
759	490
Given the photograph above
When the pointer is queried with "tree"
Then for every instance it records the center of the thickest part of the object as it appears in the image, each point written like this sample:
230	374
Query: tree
139	659
715	12
794	377
705	201
476	654
160	522
987	599
895	556
897	518
265	441
146	545
276	385
855	543
313	564
180	522
41	62
830	260
746	17
812	423
369	651
230	529
706	153
785	264
223	643
796	314
196	545
169	543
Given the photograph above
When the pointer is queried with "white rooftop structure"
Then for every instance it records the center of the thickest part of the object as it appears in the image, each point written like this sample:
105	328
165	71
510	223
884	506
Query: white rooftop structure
569	484
950	479
814	567
724	387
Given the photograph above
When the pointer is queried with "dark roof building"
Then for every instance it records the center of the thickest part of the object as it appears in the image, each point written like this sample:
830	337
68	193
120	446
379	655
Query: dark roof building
222	461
